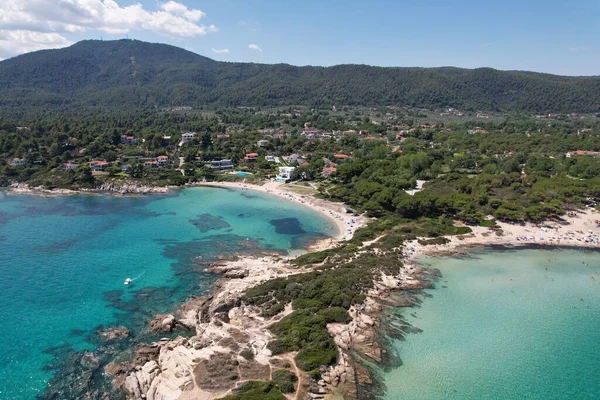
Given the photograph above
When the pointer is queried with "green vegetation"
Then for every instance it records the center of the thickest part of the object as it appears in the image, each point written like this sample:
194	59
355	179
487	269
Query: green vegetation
130	74
381	133
255	390
284	380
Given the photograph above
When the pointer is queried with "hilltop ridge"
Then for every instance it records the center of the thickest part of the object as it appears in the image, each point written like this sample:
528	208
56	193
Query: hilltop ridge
136	74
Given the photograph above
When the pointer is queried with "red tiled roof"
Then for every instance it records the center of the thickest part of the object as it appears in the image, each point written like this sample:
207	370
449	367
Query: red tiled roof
98	162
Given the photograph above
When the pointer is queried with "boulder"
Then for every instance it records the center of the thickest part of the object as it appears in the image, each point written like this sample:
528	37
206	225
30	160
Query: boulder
111	334
163	323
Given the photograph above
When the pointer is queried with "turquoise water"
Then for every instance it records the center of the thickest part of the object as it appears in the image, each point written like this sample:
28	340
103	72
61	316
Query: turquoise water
508	325
64	260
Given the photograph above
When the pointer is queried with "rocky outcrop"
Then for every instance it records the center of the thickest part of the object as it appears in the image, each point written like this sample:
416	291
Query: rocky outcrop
163	323
107	187
230	341
111	334
207	364
128	187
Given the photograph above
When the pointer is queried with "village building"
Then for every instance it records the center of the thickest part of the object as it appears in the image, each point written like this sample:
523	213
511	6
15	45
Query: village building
18	162
98	165
251	157
186	137
69	165
286	174
477	130
328	170
162	160
127	139
577	153
220	165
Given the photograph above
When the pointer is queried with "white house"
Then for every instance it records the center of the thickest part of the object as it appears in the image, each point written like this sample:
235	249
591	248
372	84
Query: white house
270	158
221	165
287	173
262	143
186	137
18	162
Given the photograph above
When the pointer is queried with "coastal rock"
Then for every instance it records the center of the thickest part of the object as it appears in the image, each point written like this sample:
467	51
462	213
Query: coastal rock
129	187
114	368
236	274
111	334
145	353
132	386
163	323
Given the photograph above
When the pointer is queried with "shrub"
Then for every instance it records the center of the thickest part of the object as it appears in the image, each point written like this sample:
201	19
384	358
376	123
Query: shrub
335	314
285	380
434	241
255	390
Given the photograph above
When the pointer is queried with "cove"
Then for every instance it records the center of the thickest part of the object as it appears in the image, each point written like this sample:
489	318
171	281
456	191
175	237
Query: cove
513	324
64	260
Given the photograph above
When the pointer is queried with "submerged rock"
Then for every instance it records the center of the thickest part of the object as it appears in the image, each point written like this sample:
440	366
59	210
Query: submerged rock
110	334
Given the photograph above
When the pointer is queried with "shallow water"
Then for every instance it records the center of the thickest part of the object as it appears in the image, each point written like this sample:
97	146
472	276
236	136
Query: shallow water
507	325
63	261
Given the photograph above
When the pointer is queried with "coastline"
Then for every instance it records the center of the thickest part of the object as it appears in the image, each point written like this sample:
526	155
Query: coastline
126	188
346	224
580	230
223	327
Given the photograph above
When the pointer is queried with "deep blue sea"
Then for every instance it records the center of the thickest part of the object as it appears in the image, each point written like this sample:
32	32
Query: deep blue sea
63	261
504	325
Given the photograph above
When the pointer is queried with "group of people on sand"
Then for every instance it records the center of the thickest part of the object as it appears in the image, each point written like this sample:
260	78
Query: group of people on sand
575	237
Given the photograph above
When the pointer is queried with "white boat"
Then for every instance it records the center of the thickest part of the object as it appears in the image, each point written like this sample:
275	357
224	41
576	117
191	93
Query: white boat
127	281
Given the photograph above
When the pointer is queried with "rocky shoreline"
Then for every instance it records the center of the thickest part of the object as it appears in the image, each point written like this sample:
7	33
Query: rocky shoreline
106	188
227	341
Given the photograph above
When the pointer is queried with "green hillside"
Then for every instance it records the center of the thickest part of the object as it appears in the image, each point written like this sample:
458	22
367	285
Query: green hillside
133	74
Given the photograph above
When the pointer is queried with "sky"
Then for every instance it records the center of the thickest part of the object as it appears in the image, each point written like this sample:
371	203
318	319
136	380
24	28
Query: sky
554	36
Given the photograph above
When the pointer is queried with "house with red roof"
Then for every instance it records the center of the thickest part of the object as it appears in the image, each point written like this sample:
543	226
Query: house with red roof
251	157
577	153
328	170
162	160
98	165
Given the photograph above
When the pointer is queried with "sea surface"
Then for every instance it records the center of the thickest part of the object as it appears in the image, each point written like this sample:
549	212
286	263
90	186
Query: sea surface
63	261
519	324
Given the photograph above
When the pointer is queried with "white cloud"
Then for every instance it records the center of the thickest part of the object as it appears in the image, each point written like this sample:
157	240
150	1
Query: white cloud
255	47
221	51
181	10
21	41
60	17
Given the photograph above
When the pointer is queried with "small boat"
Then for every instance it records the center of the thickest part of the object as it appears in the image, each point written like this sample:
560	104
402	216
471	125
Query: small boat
127	281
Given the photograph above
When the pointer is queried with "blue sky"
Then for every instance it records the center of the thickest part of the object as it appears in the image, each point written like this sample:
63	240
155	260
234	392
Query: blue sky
555	36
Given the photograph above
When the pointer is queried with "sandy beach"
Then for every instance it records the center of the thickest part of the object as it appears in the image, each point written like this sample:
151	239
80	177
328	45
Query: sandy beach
578	230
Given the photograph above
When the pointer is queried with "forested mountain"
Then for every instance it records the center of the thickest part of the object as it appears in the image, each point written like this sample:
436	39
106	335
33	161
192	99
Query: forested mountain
134	74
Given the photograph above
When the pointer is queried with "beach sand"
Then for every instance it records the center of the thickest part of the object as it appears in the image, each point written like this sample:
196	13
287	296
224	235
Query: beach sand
579	230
